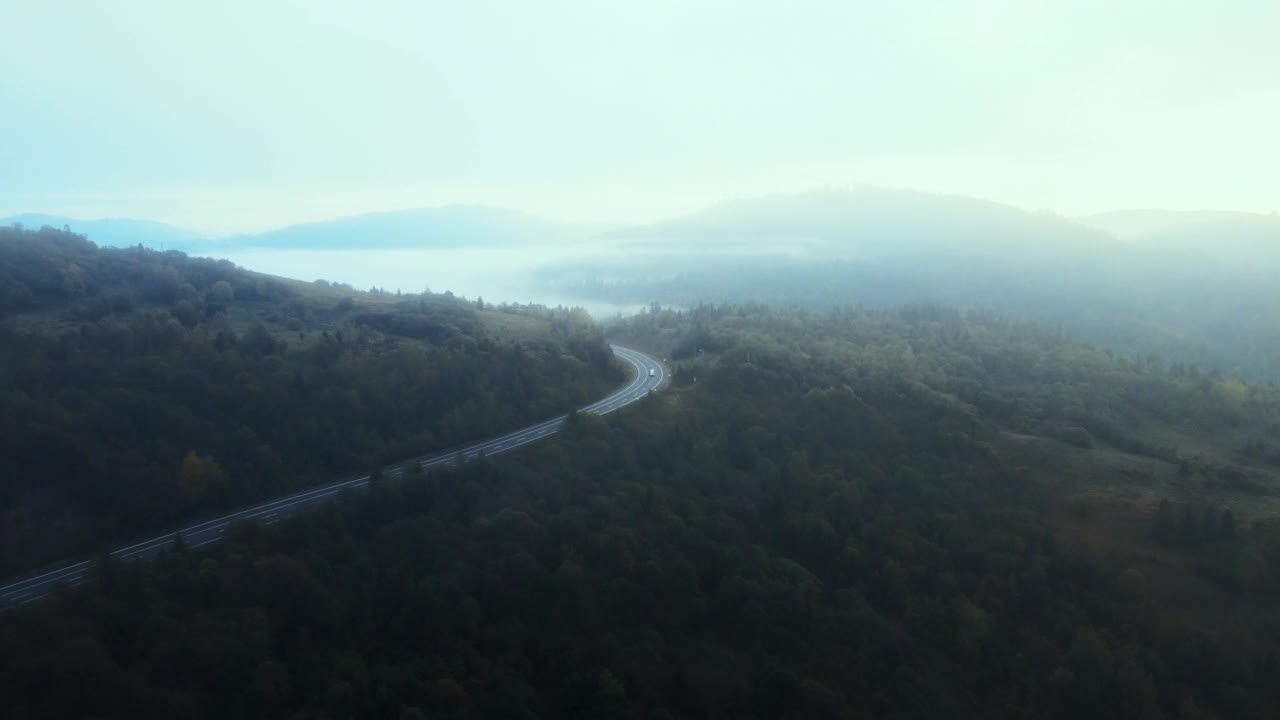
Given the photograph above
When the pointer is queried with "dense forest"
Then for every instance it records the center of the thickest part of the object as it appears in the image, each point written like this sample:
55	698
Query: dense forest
138	387
822	517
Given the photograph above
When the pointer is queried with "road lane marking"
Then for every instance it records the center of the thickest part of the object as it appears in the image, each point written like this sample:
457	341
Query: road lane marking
51	572
66	573
237	515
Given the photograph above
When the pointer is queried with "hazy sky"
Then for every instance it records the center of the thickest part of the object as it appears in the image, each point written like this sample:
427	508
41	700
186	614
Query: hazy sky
230	116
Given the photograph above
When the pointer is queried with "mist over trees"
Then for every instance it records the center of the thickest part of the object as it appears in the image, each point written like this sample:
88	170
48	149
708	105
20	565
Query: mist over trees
1201	291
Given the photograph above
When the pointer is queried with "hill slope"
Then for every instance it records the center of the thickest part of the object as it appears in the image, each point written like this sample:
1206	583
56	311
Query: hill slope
1130	223
140	386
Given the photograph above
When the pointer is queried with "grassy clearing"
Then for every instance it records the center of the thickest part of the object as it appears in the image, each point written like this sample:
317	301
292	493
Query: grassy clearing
1108	475
1104	500
515	327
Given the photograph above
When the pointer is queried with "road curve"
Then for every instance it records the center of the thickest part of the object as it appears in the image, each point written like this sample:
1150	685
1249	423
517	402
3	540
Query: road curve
22	590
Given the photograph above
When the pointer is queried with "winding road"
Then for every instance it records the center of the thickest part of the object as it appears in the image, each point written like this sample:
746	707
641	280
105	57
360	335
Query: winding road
649	376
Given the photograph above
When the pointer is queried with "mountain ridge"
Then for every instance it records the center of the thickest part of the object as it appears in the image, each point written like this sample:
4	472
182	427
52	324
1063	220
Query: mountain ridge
115	231
1139	222
444	226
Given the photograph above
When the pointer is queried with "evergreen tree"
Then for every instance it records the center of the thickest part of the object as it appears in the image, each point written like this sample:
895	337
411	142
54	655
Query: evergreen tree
1163	528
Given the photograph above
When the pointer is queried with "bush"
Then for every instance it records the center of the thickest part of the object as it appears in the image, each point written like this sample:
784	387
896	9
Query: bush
1076	435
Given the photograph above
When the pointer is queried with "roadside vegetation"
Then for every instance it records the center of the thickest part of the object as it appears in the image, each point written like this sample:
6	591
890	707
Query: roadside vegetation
140	388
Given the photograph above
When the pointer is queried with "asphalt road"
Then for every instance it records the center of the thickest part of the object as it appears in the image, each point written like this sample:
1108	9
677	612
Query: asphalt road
18	591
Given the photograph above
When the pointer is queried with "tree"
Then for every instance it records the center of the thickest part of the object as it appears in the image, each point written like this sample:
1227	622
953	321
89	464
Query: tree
221	294
198	475
1188	531
1209	523
1227	525
258	340
106	570
971	626
184	312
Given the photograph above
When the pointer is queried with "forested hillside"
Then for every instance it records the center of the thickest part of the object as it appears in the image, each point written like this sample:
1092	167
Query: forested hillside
827	515
140	387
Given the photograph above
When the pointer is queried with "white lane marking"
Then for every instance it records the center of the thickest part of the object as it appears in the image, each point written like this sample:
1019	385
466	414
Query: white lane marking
487	446
547	426
76	576
639	380
65	573
51	572
435	460
526	442
194	528
218	528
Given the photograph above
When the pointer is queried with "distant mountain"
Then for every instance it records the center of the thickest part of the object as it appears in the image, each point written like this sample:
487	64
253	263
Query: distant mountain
115	232
934	247
1242	242
875	222
452	226
1136	223
440	227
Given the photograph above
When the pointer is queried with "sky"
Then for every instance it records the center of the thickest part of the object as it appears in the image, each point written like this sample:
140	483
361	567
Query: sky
238	116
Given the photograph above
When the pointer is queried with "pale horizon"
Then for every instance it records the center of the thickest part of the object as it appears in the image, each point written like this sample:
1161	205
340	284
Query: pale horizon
338	207
244	117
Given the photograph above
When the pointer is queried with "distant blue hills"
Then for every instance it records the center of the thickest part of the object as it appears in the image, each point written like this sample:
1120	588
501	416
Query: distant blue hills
115	232
916	219
440	227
